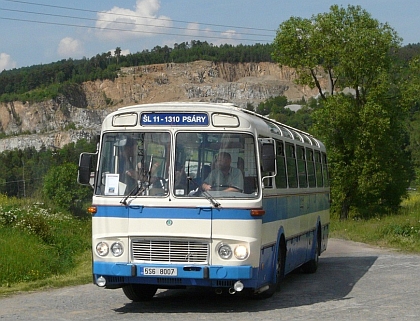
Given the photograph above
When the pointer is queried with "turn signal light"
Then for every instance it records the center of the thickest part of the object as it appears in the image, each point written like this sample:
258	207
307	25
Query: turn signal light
257	212
92	210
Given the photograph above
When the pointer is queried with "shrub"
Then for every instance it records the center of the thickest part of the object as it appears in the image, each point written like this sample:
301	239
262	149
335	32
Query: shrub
61	188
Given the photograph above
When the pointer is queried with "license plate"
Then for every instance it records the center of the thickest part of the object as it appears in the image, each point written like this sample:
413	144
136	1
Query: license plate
160	271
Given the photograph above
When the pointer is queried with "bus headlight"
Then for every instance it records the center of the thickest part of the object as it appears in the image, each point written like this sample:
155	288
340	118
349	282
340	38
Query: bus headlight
224	251
102	249
117	249
241	252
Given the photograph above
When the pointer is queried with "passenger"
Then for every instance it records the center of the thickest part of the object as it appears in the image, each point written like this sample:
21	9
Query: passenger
205	171
131	171
127	164
223	176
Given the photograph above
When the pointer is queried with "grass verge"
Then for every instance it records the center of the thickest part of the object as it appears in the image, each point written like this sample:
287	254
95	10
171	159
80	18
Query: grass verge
80	274
41	247
399	231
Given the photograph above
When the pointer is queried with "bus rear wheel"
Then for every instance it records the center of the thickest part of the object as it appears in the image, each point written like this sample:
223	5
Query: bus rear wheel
139	292
312	265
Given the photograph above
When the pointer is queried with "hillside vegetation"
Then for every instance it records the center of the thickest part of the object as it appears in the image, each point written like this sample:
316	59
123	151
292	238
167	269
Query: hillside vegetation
41	82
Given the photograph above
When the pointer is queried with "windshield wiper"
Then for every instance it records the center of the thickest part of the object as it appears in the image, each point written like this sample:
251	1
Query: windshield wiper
149	172
140	187
206	194
135	191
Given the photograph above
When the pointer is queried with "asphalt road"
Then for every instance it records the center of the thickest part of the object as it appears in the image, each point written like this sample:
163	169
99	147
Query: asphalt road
354	282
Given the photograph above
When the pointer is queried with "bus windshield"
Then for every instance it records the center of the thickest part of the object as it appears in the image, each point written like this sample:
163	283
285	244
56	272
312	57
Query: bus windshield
205	164
134	164
216	164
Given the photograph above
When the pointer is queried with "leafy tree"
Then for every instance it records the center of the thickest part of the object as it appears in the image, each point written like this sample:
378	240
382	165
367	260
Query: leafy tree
275	108
24	170
117	53
411	98
408	52
272	105
61	188
347	46
364	131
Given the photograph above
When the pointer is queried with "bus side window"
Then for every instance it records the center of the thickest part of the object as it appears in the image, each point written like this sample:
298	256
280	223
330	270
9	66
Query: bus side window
311	167
301	162
325	170
281	178
318	169
267	161
291	166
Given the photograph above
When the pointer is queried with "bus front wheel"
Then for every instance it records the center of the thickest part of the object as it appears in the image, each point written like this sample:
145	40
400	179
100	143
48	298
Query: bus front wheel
279	273
139	292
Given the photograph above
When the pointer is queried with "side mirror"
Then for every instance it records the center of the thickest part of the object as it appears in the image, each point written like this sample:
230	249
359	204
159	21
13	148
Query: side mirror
268	155
85	168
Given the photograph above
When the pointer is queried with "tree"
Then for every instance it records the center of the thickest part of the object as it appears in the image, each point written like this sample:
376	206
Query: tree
61	188
117	53
411	95
363	131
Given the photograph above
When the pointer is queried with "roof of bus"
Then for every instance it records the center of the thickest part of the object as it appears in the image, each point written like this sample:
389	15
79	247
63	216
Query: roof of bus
251	116
180	104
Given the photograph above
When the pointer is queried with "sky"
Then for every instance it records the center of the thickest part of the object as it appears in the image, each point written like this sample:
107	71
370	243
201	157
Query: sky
44	31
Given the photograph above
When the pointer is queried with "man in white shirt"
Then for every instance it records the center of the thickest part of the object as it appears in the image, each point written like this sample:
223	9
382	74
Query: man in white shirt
223	176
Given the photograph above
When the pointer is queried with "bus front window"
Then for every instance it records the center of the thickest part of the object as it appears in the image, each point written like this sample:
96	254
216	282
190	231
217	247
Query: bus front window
134	164
219	164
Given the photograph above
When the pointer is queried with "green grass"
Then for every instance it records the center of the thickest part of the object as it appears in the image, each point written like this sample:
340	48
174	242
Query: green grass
399	231
81	273
40	247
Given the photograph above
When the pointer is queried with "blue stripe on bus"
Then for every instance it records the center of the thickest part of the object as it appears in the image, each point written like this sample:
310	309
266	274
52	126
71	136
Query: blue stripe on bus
276	208
173	212
184	271
291	206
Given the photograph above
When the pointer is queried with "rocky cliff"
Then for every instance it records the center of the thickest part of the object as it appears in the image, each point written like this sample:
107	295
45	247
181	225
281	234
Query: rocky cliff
64	120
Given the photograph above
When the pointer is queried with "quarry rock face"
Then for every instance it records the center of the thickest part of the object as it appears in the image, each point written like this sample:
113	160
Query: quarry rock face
60	121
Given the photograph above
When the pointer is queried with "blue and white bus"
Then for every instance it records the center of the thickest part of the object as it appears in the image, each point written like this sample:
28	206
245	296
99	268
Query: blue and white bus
167	214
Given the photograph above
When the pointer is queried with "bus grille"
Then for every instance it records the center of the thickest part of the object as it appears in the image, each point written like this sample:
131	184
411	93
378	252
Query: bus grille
170	251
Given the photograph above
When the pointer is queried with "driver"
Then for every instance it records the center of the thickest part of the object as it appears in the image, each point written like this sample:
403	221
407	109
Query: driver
223	176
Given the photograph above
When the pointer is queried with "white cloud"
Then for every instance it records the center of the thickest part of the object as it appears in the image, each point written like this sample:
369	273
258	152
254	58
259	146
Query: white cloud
193	29
211	36
142	21
229	34
69	47
6	62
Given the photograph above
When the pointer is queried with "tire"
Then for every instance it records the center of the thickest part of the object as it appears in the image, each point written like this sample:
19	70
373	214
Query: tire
280	266
312	265
139	292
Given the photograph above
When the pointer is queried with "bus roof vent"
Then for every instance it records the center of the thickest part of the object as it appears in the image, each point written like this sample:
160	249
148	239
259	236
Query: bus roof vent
125	120
225	120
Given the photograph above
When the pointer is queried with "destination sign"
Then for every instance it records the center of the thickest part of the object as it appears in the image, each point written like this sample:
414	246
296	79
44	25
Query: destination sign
174	119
